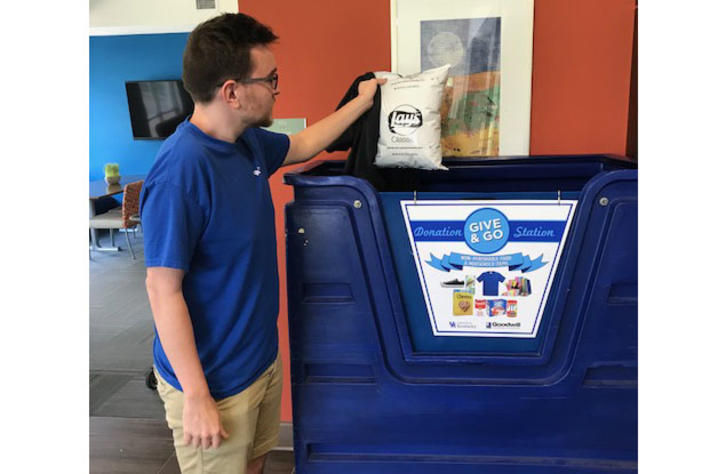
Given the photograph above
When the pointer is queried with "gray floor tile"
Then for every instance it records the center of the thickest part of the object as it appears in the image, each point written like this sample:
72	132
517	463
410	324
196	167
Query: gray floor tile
171	466
104	387
124	396
132	446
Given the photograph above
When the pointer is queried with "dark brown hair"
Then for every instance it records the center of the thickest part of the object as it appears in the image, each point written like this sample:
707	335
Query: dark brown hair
218	49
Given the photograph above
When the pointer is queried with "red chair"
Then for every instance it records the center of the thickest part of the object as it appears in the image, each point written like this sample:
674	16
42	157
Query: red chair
124	217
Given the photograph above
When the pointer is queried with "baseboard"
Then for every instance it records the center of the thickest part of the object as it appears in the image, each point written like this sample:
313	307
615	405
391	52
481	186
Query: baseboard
286	437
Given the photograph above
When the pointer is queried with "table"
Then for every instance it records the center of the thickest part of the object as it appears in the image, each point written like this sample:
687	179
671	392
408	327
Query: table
100	189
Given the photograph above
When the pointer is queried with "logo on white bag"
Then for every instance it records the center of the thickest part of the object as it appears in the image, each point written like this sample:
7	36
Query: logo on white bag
404	120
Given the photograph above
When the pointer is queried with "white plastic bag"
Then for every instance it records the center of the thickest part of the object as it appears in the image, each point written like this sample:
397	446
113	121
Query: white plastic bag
410	120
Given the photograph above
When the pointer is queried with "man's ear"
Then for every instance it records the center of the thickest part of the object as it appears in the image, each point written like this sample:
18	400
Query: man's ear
231	93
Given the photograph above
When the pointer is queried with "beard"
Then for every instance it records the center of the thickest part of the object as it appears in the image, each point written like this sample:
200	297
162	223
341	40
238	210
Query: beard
261	108
266	121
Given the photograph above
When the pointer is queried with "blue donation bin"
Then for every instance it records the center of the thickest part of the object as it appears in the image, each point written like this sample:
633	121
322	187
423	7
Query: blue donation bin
484	321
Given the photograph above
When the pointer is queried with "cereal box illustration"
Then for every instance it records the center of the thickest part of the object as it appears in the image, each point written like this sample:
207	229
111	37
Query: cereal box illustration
463	303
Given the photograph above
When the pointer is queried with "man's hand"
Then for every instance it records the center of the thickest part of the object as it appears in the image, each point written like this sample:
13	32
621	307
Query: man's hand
201	422
313	139
367	88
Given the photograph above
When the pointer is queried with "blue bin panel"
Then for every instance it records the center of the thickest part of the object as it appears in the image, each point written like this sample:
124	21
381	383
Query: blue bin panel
374	391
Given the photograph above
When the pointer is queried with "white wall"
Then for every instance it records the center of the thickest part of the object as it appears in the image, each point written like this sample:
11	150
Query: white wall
126	17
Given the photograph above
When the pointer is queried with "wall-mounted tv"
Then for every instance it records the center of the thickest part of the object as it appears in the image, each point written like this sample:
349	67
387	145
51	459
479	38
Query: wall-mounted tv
157	107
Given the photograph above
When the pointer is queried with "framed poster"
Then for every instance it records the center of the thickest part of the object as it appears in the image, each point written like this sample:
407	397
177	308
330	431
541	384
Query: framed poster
486	108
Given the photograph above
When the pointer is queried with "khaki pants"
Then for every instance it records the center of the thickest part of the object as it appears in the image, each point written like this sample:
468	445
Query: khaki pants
251	418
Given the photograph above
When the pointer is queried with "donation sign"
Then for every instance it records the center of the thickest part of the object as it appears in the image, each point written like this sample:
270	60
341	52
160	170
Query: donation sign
486	267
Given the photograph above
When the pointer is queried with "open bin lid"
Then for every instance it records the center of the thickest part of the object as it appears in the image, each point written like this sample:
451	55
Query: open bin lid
490	174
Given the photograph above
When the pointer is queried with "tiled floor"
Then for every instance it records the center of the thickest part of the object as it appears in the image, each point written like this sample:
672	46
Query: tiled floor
128	433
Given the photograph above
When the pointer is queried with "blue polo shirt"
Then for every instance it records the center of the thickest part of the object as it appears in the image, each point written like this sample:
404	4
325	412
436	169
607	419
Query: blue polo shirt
206	208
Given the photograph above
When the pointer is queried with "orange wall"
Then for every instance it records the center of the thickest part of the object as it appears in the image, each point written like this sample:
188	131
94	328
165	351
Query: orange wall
323	46
581	80
581	76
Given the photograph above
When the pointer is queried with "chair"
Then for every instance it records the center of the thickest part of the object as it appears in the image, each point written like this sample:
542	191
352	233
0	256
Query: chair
124	217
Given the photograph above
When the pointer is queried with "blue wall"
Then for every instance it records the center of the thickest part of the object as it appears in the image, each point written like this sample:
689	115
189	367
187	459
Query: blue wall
114	60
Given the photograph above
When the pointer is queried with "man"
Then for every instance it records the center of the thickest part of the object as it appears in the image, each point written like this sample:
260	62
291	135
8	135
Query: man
210	247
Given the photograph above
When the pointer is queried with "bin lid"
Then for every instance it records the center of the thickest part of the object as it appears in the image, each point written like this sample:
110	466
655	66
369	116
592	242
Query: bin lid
529	173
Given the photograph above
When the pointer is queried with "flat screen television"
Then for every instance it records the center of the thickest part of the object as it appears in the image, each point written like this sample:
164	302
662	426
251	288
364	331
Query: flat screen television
157	107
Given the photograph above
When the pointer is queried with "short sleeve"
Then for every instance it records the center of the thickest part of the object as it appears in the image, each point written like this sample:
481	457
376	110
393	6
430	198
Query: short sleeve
482	277
172	224
500	277
275	147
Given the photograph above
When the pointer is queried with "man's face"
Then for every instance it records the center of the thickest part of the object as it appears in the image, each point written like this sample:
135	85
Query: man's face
260	95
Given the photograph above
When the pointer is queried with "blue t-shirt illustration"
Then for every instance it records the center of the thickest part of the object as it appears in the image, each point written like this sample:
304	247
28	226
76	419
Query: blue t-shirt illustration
491	282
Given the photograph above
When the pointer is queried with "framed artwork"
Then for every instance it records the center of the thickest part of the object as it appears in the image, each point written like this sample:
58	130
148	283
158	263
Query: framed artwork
486	108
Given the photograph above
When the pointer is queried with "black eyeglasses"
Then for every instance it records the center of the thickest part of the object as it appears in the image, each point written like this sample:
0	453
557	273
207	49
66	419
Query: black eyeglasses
272	80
